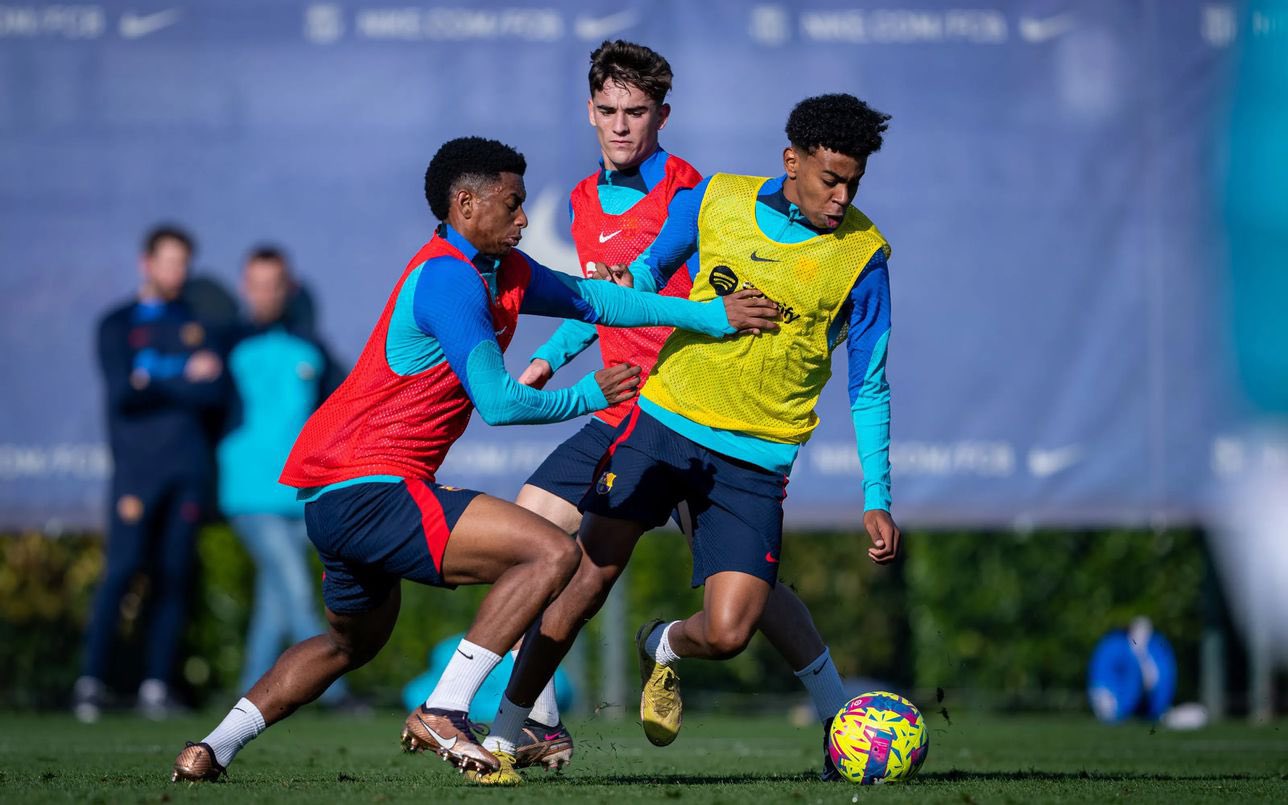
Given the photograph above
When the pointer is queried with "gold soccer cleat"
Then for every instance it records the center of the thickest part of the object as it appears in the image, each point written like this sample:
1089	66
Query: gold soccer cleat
505	775
661	708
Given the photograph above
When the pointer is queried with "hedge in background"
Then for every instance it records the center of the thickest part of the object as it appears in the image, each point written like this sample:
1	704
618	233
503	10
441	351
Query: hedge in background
1010	617
1014	618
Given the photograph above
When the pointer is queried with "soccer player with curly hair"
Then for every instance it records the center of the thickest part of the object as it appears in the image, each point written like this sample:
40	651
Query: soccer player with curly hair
366	461
717	429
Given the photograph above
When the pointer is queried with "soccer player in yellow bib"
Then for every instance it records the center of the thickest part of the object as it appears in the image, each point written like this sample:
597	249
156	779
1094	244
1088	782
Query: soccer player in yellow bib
719	425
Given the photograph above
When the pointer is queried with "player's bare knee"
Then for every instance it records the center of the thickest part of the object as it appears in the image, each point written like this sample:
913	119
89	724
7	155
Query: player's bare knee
558	555
726	641
568	559
352	656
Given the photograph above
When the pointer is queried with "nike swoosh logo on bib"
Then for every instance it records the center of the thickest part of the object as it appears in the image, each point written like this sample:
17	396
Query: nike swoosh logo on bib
605	238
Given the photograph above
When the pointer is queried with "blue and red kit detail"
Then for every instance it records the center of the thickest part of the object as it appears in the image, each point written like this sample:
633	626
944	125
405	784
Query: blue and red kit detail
733	509
381	422
401	530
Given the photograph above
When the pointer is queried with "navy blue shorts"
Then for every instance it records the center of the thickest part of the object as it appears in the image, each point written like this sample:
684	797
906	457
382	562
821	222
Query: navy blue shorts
373	534
569	471
735	509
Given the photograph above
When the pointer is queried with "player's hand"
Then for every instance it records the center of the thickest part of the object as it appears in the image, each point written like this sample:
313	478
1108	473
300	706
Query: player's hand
618	275
202	367
884	535
750	311
537	374
620	382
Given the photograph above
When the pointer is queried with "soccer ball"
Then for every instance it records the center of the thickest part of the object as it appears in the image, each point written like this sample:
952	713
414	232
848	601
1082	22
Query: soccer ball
878	737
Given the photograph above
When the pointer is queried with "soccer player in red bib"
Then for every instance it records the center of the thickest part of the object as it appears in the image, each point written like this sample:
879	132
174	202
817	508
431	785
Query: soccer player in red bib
366	461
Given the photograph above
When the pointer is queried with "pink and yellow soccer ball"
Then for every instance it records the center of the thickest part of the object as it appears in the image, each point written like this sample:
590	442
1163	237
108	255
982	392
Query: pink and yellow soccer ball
878	737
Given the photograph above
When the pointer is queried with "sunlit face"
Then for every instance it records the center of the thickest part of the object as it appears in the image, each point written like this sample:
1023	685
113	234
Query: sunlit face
491	216
165	270
626	121
822	184
266	286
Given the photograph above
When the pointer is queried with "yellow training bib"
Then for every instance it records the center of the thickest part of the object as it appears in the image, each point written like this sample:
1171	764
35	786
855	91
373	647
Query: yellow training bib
764	386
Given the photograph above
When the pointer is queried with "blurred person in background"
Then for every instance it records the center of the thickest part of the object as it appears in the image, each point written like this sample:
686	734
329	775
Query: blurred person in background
1250	515
280	372
164	378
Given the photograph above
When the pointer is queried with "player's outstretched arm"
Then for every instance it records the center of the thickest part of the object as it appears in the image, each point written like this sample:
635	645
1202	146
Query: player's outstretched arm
866	343
550	293
451	306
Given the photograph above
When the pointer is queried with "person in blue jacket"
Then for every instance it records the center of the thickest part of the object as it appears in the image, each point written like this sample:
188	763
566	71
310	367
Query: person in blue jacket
280	373
164	377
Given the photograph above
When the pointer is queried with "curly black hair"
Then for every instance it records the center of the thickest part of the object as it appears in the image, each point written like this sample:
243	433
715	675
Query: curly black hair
467	158
837	122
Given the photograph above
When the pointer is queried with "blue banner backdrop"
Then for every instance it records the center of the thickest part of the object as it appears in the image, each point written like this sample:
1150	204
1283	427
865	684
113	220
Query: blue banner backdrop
1047	184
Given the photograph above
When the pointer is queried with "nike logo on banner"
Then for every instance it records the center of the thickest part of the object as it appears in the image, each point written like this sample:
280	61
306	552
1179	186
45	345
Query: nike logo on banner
1041	30
137	26
1045	463
758	259
589	28
458	651
443	742
605	238
770	558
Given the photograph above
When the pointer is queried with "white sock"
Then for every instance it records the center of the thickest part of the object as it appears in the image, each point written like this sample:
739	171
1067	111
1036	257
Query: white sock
545	710
464	675
238	728
658	644
823	682
506	727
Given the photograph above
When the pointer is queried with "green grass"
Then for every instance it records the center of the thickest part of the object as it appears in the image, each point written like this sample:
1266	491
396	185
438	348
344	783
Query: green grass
717	759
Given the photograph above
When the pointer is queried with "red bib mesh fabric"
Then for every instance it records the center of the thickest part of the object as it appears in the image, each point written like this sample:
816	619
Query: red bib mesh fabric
381	423
617	240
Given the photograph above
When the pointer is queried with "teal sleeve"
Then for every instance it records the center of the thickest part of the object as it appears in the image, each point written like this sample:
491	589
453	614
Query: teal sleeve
570	340
501	400
550	293
871	412
627	307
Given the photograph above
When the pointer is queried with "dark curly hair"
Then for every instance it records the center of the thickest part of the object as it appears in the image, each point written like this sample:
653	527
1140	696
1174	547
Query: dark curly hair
837	122
467	160
632	65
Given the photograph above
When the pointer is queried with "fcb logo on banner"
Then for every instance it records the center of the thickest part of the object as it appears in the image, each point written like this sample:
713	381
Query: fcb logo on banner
605	483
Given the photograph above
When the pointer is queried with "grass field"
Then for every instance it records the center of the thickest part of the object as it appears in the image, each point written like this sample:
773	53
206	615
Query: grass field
716	759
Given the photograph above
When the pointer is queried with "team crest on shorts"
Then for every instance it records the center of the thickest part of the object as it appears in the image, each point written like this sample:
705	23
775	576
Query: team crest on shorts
605	484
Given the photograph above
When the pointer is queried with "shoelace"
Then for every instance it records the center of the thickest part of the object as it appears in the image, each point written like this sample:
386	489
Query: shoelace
464	724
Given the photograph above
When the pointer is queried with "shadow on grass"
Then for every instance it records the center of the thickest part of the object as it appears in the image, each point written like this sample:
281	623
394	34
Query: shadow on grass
1033	775
952	776
675	779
